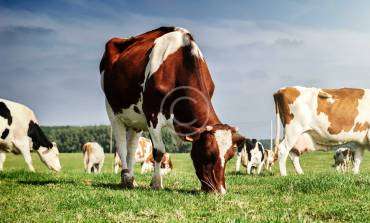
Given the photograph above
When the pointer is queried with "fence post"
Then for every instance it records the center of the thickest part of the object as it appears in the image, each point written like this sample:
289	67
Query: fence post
271	146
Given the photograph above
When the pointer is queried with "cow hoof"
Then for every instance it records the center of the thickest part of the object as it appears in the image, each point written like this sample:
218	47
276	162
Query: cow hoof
156	184
127	181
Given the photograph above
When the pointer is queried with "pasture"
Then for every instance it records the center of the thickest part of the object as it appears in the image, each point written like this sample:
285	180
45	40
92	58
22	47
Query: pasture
319	195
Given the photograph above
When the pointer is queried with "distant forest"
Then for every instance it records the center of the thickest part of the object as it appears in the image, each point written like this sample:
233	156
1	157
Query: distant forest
71	138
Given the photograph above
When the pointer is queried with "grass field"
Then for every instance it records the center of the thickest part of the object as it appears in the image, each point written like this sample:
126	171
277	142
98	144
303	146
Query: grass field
72	195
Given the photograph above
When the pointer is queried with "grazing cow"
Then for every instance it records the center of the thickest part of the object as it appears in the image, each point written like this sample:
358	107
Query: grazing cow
158	80
144	155
316	119
20	133
343	159
254	156
269	159
93	157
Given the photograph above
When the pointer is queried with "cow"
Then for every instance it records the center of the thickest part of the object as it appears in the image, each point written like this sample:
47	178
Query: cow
253	155
319	119
269	160
21	133
343	159
144	155
94	157
159	79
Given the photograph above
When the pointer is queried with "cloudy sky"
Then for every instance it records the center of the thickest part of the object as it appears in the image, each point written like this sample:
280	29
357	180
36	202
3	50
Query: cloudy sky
50	51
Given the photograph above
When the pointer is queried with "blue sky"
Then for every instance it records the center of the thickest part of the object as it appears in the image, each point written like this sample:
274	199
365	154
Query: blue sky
50	51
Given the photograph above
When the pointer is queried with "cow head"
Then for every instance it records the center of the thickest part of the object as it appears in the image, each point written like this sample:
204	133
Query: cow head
50	157
210	152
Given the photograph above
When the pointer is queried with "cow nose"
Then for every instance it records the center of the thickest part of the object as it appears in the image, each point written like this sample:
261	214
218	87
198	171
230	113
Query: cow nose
222	190
58	169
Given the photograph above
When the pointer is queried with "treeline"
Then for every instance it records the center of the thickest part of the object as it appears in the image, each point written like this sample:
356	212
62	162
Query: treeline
71	138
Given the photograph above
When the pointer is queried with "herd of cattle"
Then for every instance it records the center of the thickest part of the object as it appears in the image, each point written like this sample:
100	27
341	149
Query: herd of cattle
160	79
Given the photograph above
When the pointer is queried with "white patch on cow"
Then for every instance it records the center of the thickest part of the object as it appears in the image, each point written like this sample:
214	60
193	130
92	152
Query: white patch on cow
196	51
182	29
164	46
130	117
331	100
364	109
224	142
256	156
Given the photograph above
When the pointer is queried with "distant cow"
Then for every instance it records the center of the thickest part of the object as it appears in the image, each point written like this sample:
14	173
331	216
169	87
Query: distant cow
160	79
21	133
93	157
320	119
343	158
252	155
269	159
144	155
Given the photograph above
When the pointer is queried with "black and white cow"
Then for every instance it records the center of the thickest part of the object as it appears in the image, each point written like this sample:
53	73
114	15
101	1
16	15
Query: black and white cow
251	155
343	159
21	133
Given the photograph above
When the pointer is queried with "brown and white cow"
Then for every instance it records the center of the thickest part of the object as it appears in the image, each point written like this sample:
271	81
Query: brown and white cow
144	156
20	133
93	157
321	118
160	79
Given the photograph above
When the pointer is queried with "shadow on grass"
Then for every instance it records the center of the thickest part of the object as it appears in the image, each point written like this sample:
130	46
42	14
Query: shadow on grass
46	182
244	173
115	186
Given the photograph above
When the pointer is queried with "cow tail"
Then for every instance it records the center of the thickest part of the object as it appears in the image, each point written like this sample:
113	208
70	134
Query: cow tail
277	127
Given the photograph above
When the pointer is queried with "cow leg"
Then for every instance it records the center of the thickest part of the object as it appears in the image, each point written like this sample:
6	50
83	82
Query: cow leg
90	167
283	155
121	140
158	151
295	159
86	161
132	144
249	168
119	130
259	169
238	162
100	166
24	147
359	153
116	168
2	160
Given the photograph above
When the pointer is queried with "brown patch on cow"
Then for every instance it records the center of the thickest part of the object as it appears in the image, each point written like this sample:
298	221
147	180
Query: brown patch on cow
124	62
359	127
340	107
283	98
87	148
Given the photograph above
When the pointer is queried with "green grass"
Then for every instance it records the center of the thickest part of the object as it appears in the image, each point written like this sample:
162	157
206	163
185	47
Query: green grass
319	195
